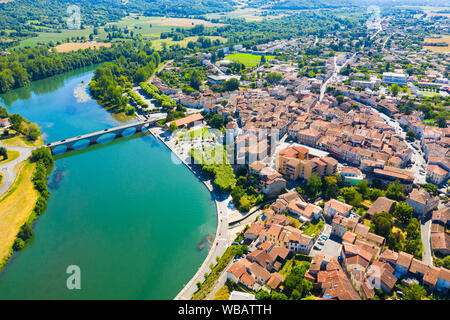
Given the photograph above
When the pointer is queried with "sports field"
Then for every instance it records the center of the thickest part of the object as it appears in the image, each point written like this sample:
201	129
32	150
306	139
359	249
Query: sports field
249	60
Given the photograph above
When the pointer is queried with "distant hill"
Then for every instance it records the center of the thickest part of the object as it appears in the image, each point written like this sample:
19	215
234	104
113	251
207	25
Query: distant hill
318	4
52	13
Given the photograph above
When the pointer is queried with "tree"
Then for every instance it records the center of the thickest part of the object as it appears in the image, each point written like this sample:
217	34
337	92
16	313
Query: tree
195	81
410	135
231	85
382	224
414	291
33	132
394	89
262	61
3	153
351	196
395	191
403	212
363	187
274	77
313	186
431	188
262	295
278	296
16	122
172	127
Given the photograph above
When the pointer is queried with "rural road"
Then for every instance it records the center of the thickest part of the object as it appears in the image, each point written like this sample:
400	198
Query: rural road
9	174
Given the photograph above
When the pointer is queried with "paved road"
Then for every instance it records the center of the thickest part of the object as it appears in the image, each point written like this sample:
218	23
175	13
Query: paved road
9	174
425	227
417	157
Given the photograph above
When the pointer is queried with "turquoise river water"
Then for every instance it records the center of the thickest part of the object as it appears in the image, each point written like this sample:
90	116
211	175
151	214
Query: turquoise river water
121	211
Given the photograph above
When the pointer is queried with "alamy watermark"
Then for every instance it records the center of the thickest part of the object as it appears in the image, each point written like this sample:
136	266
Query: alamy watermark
74	280
374	21
74	19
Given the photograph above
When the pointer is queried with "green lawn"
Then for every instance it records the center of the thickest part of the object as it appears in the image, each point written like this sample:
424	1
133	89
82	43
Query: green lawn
194	134
313	229
249	60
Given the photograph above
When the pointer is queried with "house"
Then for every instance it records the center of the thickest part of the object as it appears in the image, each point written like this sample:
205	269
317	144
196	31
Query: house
275	280
304	211
253	232
351	175
382	204
382	276
389	256
422	202
402	265
333	207
340	225
260	274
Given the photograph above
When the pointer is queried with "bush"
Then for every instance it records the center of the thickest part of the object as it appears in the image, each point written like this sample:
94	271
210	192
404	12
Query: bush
18	245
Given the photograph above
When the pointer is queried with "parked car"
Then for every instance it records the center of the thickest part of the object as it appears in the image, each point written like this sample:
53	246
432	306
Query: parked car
317	247
235	243
321	242
324	237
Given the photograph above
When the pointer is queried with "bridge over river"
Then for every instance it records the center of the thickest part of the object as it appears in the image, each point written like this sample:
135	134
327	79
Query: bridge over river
93	137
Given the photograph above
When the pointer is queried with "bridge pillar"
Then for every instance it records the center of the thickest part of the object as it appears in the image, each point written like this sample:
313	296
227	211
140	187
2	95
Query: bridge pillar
93	140
119	133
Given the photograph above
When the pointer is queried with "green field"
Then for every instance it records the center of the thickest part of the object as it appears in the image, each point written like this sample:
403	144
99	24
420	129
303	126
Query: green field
194	134
149	27
249	60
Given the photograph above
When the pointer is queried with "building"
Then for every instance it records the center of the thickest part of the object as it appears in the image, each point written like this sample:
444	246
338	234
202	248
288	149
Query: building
304	211
333	207
437	174
382	204
422	202
238	295
340	225
392	77
351	175
188	122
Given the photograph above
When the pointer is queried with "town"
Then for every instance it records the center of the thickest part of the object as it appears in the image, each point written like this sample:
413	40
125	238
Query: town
322	138
341	159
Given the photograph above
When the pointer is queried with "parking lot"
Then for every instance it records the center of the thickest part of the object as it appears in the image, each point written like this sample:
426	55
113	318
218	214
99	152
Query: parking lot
332	246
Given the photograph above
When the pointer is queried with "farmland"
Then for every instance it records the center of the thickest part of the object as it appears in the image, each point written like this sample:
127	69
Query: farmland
74	46
438	39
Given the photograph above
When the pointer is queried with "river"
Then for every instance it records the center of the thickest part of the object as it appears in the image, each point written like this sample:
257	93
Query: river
121	211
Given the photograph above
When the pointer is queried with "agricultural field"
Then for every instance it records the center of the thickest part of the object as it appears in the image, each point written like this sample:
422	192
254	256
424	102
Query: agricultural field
249	14
157	43
249	60
74	46
149	27
437	39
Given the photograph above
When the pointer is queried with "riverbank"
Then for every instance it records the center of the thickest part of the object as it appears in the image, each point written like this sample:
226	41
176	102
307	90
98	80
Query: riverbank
16	207
221	241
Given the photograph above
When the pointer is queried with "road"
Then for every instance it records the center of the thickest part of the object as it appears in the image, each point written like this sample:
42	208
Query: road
218	248
417	157
159	70
427	256
9	174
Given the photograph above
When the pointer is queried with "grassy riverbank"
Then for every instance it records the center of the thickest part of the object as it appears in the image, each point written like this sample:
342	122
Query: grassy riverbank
16	206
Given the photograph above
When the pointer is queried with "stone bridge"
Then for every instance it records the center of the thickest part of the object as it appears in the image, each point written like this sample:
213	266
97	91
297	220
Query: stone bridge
94	136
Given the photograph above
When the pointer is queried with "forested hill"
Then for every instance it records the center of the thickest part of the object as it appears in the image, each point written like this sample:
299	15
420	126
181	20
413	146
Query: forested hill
53	13
322	4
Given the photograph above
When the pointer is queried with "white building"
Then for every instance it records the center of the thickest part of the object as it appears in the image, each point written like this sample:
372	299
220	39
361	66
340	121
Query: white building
393	77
